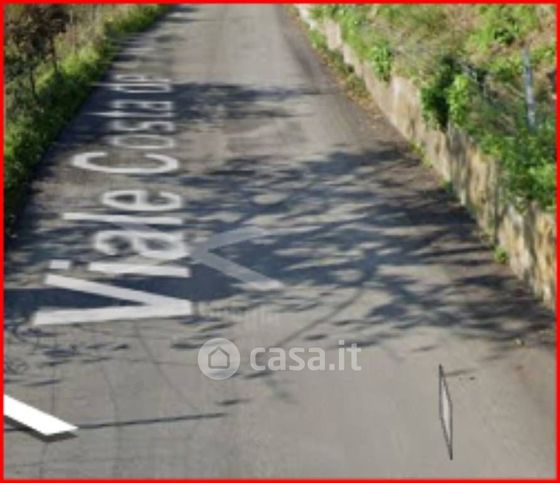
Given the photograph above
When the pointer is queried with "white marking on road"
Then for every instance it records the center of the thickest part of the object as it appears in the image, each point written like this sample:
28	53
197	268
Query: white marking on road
35	419
252	280
158	106
123	219
125	114
139	78
135	125
136	88
60	265
83	161
231	237
152	270
142	141
152	305
150	244
139	200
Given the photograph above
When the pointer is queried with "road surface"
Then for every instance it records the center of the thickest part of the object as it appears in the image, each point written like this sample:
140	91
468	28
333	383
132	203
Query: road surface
281	215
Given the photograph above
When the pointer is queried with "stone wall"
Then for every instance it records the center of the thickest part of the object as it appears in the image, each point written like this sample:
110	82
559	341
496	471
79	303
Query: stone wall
529	238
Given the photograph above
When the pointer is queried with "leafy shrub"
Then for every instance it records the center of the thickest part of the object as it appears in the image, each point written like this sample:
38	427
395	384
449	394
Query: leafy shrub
529	158
459	99
381	60
433	95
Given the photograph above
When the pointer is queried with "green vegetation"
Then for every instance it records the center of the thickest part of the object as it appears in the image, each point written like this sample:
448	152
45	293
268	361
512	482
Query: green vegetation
459	98
527	156
500	255
48	76
434	93
381	60
503	25
467	61
357	32
318	41
353	84
447	186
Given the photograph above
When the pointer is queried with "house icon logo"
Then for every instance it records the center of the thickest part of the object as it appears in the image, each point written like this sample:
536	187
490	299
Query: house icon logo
219	359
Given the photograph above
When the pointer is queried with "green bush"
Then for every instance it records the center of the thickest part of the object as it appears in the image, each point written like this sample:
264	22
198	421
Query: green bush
433	94
381	60
529	158
459	99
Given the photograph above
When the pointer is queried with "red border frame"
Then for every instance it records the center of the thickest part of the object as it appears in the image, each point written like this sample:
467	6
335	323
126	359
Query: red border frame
6	2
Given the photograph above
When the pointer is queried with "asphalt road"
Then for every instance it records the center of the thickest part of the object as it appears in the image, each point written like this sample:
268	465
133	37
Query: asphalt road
350	240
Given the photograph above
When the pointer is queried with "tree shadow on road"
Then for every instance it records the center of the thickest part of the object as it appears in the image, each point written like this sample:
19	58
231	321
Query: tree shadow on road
366	243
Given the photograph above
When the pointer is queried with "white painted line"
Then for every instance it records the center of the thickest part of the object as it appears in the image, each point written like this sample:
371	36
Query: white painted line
128	268
250	278
60	265
123	219
255	281
152	305
231	237
35	419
